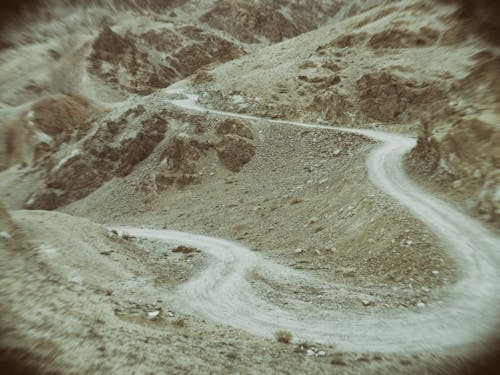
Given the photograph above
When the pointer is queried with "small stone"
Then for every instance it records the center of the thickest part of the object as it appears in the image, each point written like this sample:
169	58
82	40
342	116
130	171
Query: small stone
310	352
299	251
366	302
457	184
421	305
153	314
296	200
321	353
336	152
5	235
185	250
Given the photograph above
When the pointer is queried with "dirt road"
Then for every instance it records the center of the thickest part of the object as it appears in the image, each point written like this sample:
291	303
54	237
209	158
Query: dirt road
223	293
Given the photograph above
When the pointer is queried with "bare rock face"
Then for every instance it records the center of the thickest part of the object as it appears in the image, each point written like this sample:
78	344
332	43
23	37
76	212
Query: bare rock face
478	17
252	22
482	84
130	62
186	153
488	199
332	105
183	151
205	49
179	161
345	40
111	47
61	114
234	127
399	38
41	130
163	40
117	60
387	97
466	157
244	21
110	152
235	151
118	146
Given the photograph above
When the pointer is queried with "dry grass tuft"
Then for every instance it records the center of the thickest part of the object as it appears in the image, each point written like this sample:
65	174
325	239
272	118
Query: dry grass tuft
284	337
179	323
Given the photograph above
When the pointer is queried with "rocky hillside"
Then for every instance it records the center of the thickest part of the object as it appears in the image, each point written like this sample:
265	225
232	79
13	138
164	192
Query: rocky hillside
91	140
62	56
373	63
385	68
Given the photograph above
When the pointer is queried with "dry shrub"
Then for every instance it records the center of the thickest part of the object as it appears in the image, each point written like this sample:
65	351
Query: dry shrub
284	337
179	323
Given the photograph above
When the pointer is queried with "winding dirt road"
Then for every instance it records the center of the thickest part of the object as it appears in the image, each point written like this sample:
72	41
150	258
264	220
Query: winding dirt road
223	293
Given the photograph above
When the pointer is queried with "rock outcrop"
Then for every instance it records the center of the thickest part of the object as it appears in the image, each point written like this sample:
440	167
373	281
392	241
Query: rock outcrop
388	97
112	151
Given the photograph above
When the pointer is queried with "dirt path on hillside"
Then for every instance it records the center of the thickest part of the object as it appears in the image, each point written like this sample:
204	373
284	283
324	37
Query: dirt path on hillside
223	293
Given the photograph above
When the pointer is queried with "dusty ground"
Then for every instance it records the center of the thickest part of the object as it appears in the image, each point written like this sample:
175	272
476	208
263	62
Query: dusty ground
87	133
95	318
